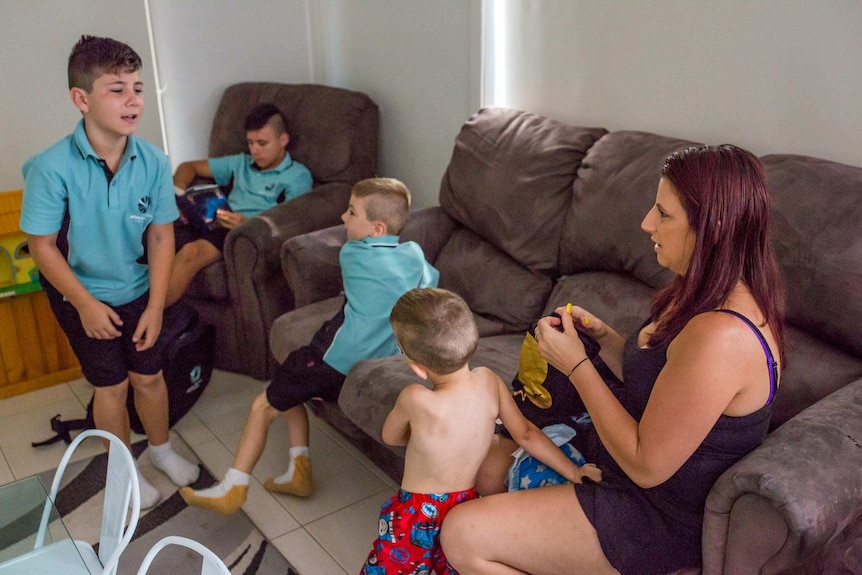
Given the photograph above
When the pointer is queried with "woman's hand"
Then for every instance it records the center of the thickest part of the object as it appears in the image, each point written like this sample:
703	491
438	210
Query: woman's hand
562	349
610	341
587	322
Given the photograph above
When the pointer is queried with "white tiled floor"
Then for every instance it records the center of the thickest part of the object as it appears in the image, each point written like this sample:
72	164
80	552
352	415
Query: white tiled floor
329	533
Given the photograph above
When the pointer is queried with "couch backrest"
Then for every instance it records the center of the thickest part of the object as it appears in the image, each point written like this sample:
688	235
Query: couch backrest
510	179
333	131
614	190
507	187
817	231
817	234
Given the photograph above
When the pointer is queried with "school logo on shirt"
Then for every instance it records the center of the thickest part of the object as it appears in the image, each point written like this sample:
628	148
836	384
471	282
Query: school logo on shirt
144	204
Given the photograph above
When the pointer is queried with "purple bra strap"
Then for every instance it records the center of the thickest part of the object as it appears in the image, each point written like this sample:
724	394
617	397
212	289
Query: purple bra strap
771	364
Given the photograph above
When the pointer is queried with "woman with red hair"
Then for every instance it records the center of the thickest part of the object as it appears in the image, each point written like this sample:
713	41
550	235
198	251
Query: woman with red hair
698	381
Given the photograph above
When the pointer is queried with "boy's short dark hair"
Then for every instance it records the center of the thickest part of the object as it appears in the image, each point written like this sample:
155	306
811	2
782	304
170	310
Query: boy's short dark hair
387	200
435	328
264	114
93	56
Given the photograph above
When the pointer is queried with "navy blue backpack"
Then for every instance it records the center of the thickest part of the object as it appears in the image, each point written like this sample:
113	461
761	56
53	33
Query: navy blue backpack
189	358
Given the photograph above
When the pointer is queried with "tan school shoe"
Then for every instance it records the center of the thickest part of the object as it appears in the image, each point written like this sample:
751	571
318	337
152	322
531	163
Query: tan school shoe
301	485
227	504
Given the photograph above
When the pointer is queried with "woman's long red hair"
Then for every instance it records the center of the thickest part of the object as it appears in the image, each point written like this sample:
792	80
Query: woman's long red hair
724	193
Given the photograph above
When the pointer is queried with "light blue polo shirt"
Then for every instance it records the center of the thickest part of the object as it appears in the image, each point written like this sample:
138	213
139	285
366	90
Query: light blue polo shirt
255	191
376	272
106	221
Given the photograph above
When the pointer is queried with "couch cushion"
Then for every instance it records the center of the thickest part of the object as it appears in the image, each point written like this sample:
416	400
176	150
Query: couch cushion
500	354
493	284
817	230
370	390
510	178
814	369
618	299
614	190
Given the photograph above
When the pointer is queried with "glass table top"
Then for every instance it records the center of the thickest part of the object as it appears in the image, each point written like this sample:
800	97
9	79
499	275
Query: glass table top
22	505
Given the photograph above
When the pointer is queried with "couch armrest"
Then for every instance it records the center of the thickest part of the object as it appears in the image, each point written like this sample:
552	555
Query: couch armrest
310	265
252	255
310	261
296	328
779	506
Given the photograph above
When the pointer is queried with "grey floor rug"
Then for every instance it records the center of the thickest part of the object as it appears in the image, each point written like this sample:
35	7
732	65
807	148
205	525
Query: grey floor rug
235	538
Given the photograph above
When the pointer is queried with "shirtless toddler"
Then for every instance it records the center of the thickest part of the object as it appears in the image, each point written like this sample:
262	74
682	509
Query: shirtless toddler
446	429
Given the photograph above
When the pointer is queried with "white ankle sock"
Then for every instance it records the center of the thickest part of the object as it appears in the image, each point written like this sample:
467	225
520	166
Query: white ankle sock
150	496
295	452
181	471
231	478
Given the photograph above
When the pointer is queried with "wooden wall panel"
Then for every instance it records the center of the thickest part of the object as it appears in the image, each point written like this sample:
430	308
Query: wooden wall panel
34	351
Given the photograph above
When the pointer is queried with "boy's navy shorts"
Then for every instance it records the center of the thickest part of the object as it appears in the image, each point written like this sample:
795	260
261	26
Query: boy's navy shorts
187	233
107	362
303	376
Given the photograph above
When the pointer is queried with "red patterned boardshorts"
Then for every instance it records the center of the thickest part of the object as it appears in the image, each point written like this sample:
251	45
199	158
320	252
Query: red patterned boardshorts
409	542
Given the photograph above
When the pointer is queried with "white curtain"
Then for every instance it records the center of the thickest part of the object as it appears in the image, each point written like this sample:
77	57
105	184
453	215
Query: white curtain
772	75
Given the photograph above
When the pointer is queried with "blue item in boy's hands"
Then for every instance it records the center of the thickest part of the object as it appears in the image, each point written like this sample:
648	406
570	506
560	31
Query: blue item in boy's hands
200	203
527	472
212	205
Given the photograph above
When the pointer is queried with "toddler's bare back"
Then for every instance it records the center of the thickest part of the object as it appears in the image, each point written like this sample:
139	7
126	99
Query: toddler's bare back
451	429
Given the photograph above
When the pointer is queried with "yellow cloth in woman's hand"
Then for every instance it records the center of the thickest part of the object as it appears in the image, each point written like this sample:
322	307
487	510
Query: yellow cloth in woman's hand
532	371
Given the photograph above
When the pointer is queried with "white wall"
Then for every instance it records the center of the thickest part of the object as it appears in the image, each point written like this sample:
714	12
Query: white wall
415	59
420	62
38	35
204	46
772	76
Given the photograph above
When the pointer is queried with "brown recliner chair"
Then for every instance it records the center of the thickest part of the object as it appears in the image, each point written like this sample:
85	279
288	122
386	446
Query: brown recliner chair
334	132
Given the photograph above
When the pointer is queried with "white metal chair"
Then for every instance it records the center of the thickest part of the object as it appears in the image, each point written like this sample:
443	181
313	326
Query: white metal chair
122	504
212	565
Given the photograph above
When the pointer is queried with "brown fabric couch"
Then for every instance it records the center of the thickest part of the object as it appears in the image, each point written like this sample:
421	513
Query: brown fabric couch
535	213
334	132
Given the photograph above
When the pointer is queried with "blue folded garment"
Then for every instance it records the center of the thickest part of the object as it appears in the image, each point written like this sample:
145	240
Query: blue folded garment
528	472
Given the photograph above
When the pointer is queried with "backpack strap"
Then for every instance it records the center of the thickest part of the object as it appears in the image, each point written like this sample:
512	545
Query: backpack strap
63	430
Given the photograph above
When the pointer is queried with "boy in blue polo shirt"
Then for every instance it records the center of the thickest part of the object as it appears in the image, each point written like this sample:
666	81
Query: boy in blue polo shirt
260	179
90	203
376	270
